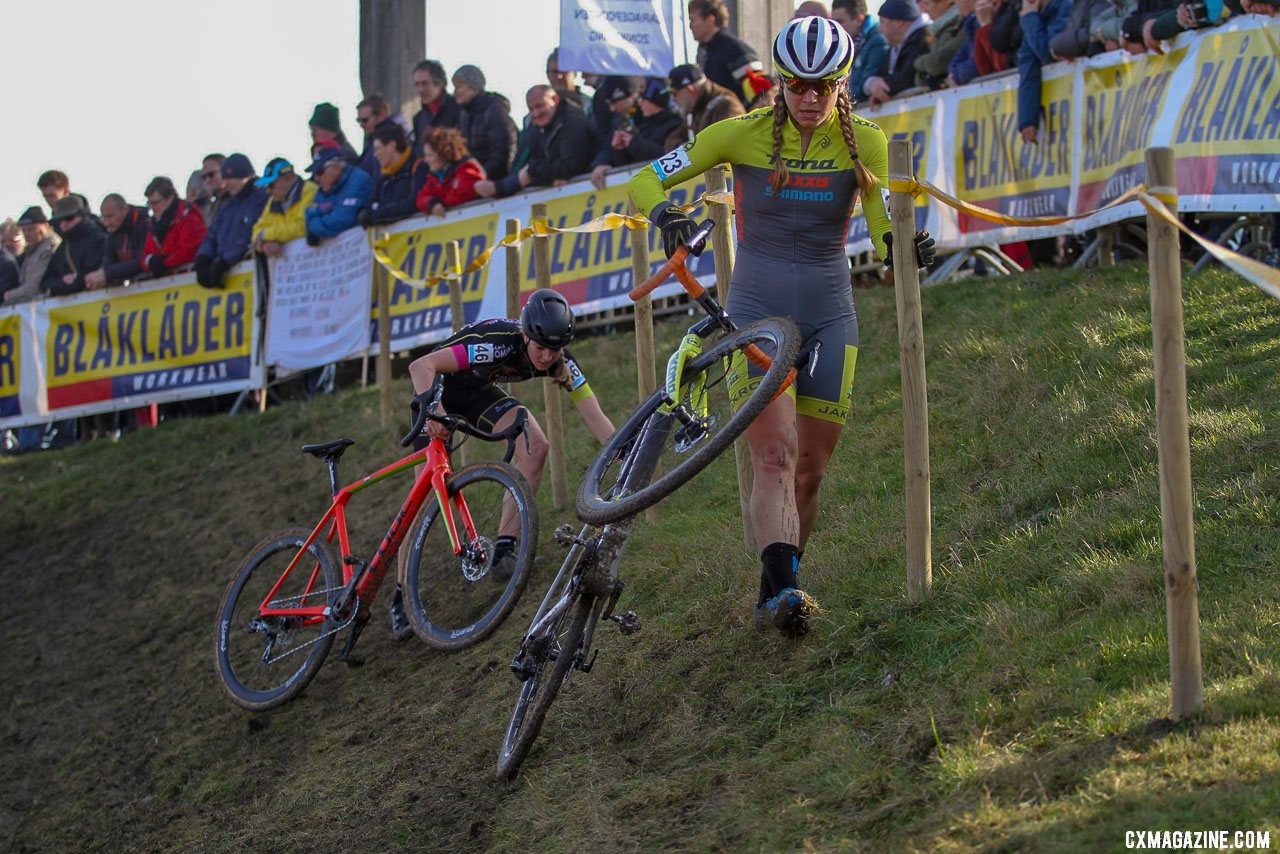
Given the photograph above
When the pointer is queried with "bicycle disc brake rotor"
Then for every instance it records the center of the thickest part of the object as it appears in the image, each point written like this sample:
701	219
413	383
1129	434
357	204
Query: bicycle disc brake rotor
477	558
689	435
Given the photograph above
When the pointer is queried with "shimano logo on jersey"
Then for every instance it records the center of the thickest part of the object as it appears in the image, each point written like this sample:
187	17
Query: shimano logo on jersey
829	163
792	194
479	353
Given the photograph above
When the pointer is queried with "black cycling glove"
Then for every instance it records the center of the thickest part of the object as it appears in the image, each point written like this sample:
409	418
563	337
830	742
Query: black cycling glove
926	254
676	229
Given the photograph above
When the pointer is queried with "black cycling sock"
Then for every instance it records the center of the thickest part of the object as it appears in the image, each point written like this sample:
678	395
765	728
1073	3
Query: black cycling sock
504	545
778	565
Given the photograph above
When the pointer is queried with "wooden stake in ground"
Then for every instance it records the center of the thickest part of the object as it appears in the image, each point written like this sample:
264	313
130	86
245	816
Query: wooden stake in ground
915	399
382	280
646	366
1181	597
554	424
513	271
722	246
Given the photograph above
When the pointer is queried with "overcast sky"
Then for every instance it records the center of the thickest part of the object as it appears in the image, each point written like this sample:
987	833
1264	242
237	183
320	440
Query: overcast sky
114	94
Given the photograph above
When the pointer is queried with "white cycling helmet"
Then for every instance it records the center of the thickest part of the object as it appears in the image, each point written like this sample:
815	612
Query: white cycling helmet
813	48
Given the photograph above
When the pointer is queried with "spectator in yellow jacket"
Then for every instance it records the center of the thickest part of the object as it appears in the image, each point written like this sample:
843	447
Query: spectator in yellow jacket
282	219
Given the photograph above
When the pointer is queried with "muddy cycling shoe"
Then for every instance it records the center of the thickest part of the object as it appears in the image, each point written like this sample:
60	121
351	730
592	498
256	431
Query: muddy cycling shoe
504	560
788	612
400	628
504	566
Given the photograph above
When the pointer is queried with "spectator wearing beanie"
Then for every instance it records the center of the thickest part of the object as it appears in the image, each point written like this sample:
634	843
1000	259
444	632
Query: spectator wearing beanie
908	37
42	243
657	130
486	122
325	128
83	248
230	235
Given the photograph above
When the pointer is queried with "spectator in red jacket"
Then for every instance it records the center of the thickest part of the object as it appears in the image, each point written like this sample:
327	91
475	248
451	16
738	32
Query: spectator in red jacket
452	173
177	230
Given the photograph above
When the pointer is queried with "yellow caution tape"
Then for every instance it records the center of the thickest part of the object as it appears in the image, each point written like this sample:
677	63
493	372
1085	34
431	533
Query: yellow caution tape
540	228
1266	279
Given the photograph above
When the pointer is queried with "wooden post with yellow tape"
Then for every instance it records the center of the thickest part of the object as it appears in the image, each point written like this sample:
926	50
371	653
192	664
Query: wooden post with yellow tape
513	270
915	400
382	281
1181	597
551	393
722	246
646	364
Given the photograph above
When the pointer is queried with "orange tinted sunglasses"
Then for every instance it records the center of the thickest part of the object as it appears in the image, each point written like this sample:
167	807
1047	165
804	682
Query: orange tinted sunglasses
823	88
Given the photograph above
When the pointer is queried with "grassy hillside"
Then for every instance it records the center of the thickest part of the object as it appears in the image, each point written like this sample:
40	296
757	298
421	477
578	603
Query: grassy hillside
1021	707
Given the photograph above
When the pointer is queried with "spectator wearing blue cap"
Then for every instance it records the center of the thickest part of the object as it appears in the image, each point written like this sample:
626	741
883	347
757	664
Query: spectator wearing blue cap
283	218
344	190
230	234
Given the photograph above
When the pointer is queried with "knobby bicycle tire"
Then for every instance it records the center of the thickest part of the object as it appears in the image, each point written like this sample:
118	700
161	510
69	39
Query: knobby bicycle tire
600	502
540	690
448	609
231	626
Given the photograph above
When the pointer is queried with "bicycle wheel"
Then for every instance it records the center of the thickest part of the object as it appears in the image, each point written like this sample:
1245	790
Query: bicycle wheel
265	661
618	482
456	600
549	658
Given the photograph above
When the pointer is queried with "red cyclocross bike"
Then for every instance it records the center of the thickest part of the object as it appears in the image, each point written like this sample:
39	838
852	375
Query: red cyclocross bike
299	588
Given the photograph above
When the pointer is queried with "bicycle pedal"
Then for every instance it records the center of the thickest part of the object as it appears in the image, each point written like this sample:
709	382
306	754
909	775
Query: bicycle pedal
628	622
565	536
586	668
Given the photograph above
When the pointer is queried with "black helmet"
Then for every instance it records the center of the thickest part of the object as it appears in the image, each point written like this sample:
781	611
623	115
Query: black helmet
547	319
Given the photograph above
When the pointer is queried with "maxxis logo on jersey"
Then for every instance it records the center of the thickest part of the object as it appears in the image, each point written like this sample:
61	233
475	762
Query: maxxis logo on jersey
480	353
671	163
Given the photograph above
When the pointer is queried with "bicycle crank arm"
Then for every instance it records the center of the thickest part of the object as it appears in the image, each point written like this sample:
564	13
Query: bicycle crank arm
350	645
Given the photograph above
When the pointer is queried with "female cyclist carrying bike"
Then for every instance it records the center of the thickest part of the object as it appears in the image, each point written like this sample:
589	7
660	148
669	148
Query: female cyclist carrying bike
798	169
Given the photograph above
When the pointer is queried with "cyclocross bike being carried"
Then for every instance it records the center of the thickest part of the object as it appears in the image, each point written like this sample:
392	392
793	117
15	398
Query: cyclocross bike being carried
292	594
705	403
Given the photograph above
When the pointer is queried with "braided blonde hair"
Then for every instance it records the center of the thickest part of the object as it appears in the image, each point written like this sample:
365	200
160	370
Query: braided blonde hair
867	182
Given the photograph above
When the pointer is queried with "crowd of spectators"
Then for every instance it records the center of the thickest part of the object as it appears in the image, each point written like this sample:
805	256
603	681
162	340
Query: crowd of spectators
466	144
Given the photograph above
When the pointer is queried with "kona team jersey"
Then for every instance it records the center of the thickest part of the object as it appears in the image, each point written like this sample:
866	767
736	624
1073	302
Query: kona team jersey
808	220
493	351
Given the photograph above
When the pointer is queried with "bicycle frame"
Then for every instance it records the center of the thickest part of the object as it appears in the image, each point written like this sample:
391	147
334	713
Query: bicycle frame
362	579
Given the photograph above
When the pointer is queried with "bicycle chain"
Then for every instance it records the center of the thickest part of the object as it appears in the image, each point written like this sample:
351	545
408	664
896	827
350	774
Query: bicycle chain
278	603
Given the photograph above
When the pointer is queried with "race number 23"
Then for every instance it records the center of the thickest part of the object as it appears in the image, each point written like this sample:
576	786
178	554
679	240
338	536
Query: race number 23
671	163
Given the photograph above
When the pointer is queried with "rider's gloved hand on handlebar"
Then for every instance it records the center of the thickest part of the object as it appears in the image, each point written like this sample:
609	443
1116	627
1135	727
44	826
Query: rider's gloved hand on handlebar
677	228
926	254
